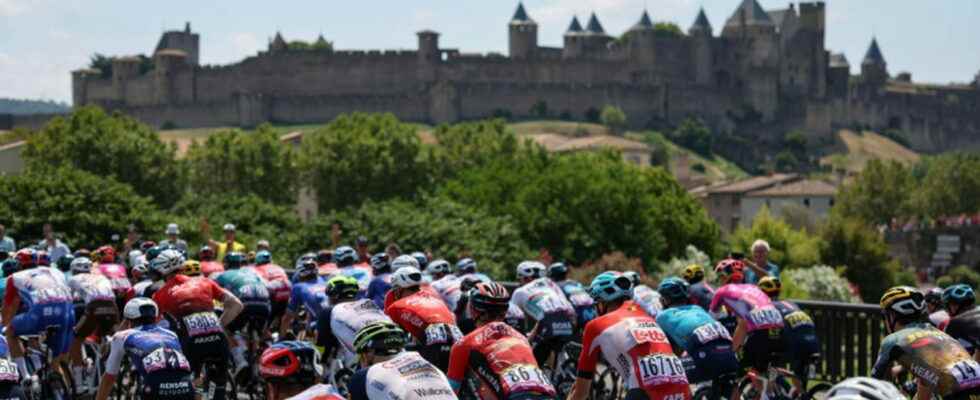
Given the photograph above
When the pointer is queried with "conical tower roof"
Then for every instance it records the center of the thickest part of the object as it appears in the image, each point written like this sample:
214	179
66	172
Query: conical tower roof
520	16
873	56
594	26
644	22
701	23
575	27
752	13
278	43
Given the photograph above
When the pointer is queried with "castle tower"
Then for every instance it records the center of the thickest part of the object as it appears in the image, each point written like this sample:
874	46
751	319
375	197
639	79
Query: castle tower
185	41
79	85
702	51
642	41
523	34
278	44
812	22
167	63
428	46
123	69
573	40
595	38
874	69
839	75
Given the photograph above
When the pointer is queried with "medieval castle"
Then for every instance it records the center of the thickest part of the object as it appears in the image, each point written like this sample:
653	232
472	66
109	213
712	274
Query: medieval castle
767	73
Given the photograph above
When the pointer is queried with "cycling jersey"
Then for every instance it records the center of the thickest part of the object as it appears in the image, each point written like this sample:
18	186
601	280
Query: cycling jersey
749	303
630	341
965	328
407	376
338	324
312	296
799	334
181	296
155	355
448	289
516	318
501	359
210	268
116	273
362	274
431	324
327	269
378	288
276	281
541	299
95	304
319	392
932	356
45	302
87	288
701	293
648	299
580	299
705	340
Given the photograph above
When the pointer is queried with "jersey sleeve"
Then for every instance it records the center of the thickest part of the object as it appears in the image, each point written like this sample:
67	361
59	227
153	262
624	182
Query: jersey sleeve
589	356
358	385
880	370
716	301
324	335
295	298
459	360
217	293
117	351
11	292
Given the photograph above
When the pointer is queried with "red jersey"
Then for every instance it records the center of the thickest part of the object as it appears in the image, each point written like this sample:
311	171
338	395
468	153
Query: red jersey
182	295
502	359
327	269
630	341
209	268
418	311
276	281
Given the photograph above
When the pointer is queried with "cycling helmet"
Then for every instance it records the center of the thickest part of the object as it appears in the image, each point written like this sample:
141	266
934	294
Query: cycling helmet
106	254
139	271
307	269
324	256
81	266
903	300
42	259
959	294
530	269
693	272
381	337
191	268
557	271
309	256
9	267
771	285
234	260
488	298
610	286
206	253
406	277
155	251
342	287
421	259
25	258
263	257
345	256
468	283
730	270
633	276
466	266
140	307
934	296
404	261
438	267
290	363
861	388
64	263
81	253
673	289
380	263
168	262
147	245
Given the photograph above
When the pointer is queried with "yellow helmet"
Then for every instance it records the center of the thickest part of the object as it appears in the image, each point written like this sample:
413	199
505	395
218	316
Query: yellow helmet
904	300
692	272
191	268
771	285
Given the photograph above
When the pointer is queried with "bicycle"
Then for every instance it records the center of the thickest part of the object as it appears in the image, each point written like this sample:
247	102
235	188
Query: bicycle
253	384
46	380
607	385
564	375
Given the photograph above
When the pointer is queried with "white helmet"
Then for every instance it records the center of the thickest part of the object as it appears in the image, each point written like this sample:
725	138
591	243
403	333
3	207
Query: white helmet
168	262
861	388
404	261
406	277
530	269
81	265
134	255
438	267
140	307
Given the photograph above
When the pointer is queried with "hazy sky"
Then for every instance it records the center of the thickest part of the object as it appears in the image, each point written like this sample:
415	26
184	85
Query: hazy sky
41	41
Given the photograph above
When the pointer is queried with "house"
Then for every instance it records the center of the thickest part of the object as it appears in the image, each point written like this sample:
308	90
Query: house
736	204
11	161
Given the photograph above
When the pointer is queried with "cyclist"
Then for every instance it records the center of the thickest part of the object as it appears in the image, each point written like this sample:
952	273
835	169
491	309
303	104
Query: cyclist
96	312
250	288
964	322
421	259
467	267
939	363
36	300
389	372
574	292
309	292
155	355
701	293
799	335
338	323
346	258
381	283
691	329
64	264
861	388
209	267
464	321
644	296
421	312
629	341
545	303
144	286
276	281
291	370
189	304
938	316
497	355
324	258
116	273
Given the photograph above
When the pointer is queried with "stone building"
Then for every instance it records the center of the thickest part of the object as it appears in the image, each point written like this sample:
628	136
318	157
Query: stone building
735	204
768	72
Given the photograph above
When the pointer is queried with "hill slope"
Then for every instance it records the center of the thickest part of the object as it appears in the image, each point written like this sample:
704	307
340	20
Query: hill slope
864	146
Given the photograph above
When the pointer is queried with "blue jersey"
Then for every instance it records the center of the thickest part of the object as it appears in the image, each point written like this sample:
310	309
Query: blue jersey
311	295
378	288
151	349
689	325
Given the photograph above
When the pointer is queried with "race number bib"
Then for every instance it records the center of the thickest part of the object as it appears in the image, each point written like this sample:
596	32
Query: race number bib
797	319
202	323
442	334
658	369
164	359
521	378
8	371
710	332
966	372
766	317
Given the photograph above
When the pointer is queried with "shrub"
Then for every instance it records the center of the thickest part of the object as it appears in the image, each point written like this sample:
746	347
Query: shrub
960	274
789	248
613	118
819	282
675	267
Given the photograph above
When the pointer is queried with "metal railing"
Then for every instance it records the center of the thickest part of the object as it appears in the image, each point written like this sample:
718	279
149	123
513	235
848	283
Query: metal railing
850	335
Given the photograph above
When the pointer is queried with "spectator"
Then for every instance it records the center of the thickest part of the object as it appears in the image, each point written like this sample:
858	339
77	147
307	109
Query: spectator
263	245
759	265
132	241
55	248
393	251
173	240
6	242
229	244
362	249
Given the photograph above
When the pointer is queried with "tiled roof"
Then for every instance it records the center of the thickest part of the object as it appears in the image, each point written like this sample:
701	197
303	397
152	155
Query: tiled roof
595	26
605	141
806	187
701	23
754	183
873	56
753	15
575	26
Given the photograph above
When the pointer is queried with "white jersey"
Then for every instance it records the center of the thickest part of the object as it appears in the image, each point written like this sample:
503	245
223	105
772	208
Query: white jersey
648	299
348	318
541	297
408	376
448	289
140	288
41	285
87	288
318	392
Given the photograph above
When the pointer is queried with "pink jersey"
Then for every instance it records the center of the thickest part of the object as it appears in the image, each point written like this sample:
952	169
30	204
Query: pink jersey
748	303
116	274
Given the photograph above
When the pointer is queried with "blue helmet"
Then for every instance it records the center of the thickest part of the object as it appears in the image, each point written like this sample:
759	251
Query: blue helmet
959	294
557	270
610	286
263	257
673	288
345	256
466	265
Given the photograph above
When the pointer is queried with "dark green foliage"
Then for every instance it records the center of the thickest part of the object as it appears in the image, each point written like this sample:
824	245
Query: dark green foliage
565	115
857	247
235	163
88	209
698	167
113	146
502	113
168	125
961	274
101	63
302	45
667	29
949	186
475	144
878	195
613	118
694	135
785	161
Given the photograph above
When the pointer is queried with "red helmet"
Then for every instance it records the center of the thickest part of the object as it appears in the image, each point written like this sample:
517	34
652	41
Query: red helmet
730	270
206	253
149	244
25	257
107	254
488	298
42	259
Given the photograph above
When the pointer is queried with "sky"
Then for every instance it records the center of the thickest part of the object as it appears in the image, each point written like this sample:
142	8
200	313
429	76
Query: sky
42	41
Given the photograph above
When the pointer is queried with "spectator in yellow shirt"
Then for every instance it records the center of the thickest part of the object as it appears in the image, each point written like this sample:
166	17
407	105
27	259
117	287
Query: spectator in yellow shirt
229	244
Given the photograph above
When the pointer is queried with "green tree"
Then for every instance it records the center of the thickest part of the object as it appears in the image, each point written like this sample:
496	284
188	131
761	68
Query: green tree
950	185
473	144
960	274
863	254
298	45
790	248
818	282
879	194
667	29
694	135
363	156
613	118
236	163
114	146
786	162
88	209
101	63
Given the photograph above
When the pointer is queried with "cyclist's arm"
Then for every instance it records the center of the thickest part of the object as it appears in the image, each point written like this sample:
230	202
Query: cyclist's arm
587	361
116	353
741	330
924	391
287	320
881	369
11	302
324	335
459	360
232	305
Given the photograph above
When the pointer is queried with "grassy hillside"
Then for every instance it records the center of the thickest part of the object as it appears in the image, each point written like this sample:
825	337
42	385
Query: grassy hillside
692	168
864	146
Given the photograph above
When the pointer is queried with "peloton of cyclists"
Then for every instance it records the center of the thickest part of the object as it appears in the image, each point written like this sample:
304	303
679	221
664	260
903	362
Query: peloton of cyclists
422	313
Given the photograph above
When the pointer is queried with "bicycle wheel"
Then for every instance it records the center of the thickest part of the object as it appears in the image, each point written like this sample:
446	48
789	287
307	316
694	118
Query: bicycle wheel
607	386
